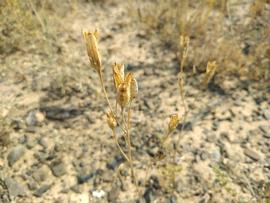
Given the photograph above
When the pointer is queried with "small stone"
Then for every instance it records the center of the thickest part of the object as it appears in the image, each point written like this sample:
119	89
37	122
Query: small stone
23	139
149	195
39	192
252	154
58	168
34	118
17	124
41	156
15	154
82	178
203	156
43	143
15	189
30	142
113	164
266	114
32	185
41	174
215	155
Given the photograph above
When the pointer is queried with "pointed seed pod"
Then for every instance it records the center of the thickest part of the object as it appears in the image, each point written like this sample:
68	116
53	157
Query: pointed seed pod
174	120
133	88
92	49
210	71
118	74
184	41
123	94
111	120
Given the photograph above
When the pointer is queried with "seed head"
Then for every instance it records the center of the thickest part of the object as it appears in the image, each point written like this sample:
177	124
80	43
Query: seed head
123	94
174	120
184	41
118	74
132	85
210	71
133	88
92	49
111	120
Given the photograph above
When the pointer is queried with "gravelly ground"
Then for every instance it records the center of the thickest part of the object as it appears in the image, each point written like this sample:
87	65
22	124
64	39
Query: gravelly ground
61	150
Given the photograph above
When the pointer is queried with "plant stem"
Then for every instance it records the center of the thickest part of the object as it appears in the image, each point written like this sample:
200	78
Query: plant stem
104	90
119	147
107	99
129	142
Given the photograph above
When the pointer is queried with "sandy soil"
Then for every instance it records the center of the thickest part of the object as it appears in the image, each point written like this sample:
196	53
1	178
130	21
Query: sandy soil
60	147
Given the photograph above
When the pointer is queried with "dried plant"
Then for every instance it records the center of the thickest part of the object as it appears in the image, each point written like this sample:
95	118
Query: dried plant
240	48
126	89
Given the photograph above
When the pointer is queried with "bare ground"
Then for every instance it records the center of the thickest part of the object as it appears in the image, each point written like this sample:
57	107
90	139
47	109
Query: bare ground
60	147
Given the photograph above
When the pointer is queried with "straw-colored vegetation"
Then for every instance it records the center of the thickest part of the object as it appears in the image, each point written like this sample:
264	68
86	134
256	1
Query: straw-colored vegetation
211	40
126	90
216	33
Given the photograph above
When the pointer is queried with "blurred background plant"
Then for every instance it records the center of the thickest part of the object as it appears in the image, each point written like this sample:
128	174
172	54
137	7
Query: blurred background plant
238	39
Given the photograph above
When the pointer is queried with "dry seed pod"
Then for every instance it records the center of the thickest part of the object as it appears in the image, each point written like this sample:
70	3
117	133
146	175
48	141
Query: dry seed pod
121	69
174	120
118	74
132	84
210	71
111	120
92	49
184	41
133	88
123	94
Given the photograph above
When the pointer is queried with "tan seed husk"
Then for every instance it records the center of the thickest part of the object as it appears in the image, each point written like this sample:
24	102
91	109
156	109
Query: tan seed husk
210	71
174	121
118	74
123	94
111	120
92	49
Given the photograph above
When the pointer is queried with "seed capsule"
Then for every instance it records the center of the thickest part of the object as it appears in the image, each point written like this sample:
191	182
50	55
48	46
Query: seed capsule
123	94
92	49
111	120
134	88
174	120
118	74
210	71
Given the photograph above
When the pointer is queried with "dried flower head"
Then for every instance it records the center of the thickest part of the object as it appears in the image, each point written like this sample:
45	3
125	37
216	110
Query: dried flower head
133	88
123	94
132	84
184	42
92	49
210	71
111	120
118	74
174	120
